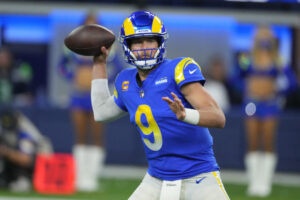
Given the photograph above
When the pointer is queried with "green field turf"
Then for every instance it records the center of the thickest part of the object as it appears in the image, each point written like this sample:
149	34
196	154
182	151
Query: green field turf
114	189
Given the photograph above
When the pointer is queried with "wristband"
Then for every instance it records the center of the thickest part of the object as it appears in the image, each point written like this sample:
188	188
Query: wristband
192	116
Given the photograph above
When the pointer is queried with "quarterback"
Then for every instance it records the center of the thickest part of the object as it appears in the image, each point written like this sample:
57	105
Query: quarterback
172	111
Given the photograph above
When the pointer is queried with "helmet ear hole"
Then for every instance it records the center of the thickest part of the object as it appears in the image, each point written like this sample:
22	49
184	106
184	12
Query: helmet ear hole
159	40
128	42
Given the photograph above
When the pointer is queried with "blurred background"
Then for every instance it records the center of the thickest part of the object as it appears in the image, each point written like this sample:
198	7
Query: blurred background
212	32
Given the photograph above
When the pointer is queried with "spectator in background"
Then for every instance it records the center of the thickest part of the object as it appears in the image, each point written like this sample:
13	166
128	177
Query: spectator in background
262	71
20	142
15	80
78	69
216	83
89	158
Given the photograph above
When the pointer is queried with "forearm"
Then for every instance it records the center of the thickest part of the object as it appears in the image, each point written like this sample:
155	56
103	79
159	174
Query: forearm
208	117
210	114
211	117
17	157
99	69
99	66
103	104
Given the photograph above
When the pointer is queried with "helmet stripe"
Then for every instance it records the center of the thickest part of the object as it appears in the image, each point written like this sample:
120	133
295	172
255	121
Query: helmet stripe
156	25
128	27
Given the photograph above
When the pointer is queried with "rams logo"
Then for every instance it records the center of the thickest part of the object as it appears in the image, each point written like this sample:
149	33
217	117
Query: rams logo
125	85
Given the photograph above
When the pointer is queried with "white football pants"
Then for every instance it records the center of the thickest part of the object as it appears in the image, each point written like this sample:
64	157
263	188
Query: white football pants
205	186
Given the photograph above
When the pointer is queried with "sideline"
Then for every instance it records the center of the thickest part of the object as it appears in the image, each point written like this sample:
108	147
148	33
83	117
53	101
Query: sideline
228	176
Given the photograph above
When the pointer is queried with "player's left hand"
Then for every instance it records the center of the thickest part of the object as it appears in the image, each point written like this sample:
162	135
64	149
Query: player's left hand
176	106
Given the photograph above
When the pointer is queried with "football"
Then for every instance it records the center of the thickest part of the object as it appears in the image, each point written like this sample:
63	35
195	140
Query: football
88	39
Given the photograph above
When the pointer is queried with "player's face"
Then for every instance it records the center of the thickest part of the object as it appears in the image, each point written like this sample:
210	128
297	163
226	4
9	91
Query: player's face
144	47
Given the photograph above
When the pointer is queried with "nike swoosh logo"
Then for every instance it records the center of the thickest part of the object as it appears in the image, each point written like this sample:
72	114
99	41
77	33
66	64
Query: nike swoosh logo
193	71
201	179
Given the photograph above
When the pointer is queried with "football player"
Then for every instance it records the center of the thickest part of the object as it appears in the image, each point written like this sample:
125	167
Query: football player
168	104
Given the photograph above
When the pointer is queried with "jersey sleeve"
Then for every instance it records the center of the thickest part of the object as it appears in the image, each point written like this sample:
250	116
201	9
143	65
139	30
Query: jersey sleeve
117	96
187	71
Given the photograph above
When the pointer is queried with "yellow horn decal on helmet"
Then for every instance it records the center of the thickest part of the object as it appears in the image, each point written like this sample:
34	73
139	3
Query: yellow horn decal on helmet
156	25
128	27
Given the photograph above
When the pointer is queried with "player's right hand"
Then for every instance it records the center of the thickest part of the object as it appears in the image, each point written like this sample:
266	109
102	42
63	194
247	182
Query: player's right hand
102	57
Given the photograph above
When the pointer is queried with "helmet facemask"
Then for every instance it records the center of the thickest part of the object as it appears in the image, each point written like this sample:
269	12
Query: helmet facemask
145	59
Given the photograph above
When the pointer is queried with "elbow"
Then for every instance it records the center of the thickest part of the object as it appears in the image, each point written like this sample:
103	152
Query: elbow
221	121
99	118
98	111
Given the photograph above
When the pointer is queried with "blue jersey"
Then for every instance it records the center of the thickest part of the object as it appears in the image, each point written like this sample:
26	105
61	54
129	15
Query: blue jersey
174	149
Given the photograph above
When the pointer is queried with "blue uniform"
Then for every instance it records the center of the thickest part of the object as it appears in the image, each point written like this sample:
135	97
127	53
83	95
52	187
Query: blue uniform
260	108
174	149
250	70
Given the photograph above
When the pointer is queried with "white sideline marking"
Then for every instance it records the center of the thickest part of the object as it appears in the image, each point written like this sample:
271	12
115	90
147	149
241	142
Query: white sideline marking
228	176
